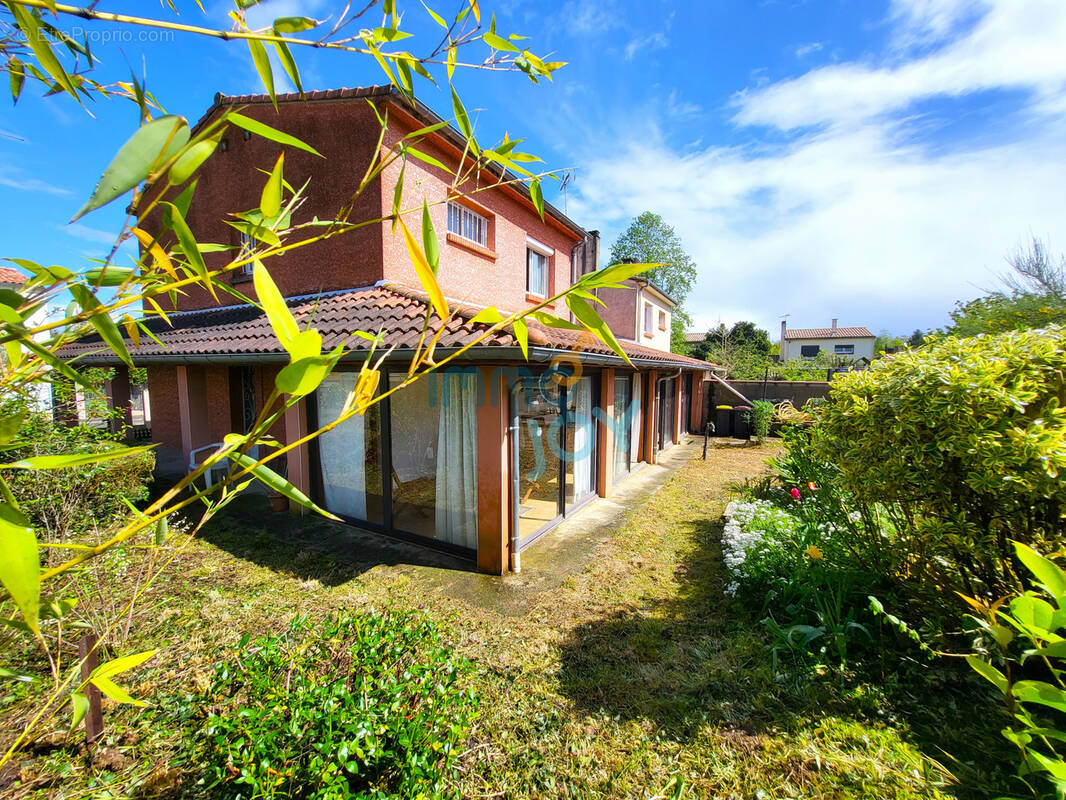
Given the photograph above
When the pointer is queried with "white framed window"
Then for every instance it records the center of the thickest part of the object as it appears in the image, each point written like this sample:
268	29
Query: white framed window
844	349
648	319
536	272
662	320
467	223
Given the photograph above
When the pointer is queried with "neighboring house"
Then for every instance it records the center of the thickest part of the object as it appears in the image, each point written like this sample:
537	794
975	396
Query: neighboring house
480	460
639	314
840	344
13	279
692	337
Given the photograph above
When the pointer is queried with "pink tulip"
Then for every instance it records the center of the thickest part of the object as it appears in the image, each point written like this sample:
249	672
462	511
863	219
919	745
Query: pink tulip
796	493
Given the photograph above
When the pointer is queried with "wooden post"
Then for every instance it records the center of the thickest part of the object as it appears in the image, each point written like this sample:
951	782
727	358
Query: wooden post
94	718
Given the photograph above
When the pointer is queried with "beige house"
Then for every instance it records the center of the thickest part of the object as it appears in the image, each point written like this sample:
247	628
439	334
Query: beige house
839	343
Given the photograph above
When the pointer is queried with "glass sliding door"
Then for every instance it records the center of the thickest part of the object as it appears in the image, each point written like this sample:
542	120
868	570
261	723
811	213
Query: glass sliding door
433	438
350	454
580	445
622	425
666	413
537	415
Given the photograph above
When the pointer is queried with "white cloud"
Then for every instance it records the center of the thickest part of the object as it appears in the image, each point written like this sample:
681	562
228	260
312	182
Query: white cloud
804	50
88	234
16	179
651	41
1016	44
858	218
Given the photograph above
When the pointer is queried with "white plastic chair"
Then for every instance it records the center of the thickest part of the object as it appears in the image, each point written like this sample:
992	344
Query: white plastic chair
222	467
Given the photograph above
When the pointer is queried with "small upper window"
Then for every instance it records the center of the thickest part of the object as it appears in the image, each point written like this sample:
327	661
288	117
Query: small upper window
809	350
662	320
536	273
844	349
248	245
468	224
648	316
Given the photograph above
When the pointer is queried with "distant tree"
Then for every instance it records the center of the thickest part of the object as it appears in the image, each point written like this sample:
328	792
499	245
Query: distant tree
916	339
743	349
887	343
648	239
1033	296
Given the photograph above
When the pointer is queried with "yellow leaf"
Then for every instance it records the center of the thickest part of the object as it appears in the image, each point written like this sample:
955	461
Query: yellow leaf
425	273
160	256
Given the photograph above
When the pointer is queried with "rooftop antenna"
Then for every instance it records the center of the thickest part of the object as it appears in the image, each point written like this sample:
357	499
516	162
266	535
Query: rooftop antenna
568	177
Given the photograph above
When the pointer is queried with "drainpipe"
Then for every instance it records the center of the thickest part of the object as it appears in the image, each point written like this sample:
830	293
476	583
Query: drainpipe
516	554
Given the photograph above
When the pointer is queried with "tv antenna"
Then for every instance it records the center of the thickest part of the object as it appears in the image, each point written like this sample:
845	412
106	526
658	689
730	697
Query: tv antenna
568	177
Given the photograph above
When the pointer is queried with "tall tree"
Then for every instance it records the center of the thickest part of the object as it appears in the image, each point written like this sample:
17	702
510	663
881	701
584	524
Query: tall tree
649	240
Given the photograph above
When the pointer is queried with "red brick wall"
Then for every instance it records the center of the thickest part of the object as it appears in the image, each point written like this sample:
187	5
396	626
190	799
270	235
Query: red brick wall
345	133
620	312
163	395
497	278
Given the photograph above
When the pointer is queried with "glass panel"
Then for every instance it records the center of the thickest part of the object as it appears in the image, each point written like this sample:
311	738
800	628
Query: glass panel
580	441
636	421
414	427
539	420
350	454
456	518
622	425
537	264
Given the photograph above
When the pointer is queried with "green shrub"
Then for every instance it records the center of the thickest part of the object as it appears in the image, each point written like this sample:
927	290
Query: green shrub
358	706
74	500
966	440
761	415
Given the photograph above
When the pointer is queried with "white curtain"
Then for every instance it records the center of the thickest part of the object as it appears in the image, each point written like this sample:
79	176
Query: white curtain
456	517
342	450
634	436
582	437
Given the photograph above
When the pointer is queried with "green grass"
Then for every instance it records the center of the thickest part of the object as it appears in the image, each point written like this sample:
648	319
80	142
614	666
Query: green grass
634	678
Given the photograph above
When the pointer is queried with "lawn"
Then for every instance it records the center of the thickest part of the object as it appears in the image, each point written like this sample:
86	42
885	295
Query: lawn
633	677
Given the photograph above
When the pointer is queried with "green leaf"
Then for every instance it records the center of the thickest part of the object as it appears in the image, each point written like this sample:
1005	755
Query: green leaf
1041	693
288	63
270	200
436	17
176	222
275	481
429	239
273	304
153	144
20	567
397	197
190	161
101	321
521	333
614	274
162	530
42	49
283	25
987	671
462	119
262	66
302	377
1032	612
79	707
588	317
487	316
116	693
184	200
75	459
498	42
428	159
109	276
425	273
552	321
10	424
536	194
1047	572
17	76
273	134
117	666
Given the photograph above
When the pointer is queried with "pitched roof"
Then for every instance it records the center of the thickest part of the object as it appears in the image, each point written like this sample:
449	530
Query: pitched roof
696	338
828	333
8	275
243	330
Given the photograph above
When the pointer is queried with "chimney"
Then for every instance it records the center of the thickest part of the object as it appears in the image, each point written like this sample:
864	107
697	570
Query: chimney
782	332
834	326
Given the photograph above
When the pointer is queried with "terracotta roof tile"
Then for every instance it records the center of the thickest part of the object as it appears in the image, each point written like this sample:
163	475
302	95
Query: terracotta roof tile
827	333
396	310
8	275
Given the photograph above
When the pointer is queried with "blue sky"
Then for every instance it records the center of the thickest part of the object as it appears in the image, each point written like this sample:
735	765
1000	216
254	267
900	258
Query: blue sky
871	161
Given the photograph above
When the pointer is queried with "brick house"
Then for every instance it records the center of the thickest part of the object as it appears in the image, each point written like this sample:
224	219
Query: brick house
481	460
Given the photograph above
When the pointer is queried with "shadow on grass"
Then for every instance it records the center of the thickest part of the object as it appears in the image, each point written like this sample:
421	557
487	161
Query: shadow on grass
310	547
694	659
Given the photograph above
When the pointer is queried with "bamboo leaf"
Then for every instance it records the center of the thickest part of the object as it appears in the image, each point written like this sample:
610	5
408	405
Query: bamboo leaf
281	318
151	146
115	692
425	273
487	316
436	17
284	25
262	66
75	459
270	200
462	119
614	274
536	194
427	159
273	480
158	254
16	74
189	246
588	317
102	322
20	567
429	239
288	63
397	196
190	161
117	666
42	49
521	333
267	132
79	707
498	42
